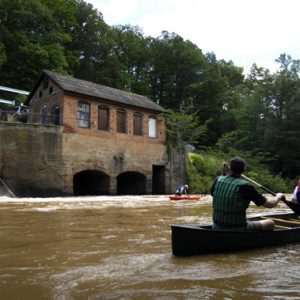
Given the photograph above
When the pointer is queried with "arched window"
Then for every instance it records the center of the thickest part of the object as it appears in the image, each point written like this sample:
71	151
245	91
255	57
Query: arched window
55	114
45	84
152	127
83	114
137	123
103	117
44	114
121	121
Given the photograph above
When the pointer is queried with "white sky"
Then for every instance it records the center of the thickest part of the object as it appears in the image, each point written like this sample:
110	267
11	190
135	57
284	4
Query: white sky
244	31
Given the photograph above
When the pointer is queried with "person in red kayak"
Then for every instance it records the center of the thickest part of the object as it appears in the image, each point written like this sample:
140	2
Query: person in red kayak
182	190
231	197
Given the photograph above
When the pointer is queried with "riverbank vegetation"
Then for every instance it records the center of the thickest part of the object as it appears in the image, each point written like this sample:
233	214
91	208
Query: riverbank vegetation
210	103
203	167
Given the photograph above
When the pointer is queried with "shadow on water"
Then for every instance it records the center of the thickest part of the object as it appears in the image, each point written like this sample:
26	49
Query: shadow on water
120	248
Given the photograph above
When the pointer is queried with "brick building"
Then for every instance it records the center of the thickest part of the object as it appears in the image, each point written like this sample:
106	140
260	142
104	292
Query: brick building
84	138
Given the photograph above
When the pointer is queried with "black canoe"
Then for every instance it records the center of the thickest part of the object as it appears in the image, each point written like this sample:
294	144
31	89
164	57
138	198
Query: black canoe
197	240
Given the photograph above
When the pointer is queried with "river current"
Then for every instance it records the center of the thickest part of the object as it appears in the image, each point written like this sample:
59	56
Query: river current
119	247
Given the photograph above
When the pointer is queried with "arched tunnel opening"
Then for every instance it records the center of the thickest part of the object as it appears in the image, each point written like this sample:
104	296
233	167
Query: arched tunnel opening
90	182
131	183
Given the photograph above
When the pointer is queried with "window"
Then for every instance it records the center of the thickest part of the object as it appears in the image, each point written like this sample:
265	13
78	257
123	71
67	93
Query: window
83	114
137	124
51	90
44	114
152	127
45	84
103	117
55	114
121	121
40	94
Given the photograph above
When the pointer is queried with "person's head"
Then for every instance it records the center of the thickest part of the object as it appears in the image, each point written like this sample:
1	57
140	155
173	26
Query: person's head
237	165
186	187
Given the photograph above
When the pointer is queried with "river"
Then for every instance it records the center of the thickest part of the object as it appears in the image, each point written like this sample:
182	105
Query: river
119	247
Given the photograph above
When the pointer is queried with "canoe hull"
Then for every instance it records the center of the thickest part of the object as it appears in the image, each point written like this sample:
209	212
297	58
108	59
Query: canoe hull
184	197
197	240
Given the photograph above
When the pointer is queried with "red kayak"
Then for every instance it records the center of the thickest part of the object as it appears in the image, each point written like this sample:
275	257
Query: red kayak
184	197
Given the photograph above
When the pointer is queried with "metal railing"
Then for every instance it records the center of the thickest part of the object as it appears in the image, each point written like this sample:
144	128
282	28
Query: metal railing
30	118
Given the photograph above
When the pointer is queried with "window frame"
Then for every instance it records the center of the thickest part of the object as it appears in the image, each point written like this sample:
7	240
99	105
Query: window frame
83	116
103	108
140	131
152	127
45	84
123	122
56	118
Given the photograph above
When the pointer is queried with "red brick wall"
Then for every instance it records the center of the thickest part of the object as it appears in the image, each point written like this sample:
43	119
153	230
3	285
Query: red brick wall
70	120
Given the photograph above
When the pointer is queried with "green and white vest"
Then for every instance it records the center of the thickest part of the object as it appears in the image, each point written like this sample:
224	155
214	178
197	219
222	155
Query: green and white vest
229	208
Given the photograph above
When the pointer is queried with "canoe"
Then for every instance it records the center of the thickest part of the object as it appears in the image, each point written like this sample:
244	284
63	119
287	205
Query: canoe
197	240
184	197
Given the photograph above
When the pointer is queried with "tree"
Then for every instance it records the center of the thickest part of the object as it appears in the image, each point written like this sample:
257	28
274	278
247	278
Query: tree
174	65
215	96
34	34
183	127
268	116
3	57
132	51
93	45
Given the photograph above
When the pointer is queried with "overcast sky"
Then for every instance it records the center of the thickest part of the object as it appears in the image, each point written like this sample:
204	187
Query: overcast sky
244	31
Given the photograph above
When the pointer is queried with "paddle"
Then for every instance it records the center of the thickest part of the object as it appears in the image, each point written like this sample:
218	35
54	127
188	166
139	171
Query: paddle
295	207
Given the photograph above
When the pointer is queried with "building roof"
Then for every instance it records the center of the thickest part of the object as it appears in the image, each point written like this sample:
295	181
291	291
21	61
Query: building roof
75	85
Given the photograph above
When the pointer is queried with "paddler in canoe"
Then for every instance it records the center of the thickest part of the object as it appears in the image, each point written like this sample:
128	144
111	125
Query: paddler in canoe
232	195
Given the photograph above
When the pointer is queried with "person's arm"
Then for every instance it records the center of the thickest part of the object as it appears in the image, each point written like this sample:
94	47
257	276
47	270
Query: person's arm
270	203
252	194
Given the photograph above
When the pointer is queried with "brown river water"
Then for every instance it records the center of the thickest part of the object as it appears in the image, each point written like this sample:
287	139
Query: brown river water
119	247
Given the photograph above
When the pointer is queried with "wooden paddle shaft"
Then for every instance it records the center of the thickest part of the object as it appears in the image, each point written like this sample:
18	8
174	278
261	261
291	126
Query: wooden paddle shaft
259	185
295	207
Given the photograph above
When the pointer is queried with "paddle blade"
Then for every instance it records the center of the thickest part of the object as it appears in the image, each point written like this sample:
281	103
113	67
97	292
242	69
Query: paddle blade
295	207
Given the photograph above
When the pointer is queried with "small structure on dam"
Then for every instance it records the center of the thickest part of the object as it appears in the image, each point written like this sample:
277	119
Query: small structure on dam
82	138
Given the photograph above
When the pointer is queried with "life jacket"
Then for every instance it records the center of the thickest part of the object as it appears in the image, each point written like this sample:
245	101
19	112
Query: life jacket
229	208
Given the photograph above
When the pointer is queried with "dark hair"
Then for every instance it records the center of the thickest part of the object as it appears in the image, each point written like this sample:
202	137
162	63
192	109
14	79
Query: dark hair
237	165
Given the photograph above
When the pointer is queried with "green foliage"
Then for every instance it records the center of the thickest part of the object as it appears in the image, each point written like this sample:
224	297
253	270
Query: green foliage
268	120
204	167
92	43
133	54
202	170
274	183
174	65
183	127
34	34
3	57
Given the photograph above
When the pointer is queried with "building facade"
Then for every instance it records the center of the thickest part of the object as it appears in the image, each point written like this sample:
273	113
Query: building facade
83	138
